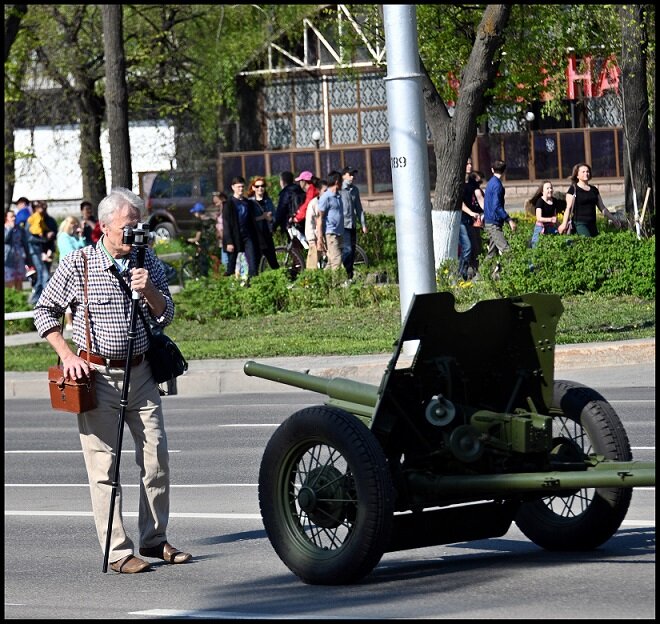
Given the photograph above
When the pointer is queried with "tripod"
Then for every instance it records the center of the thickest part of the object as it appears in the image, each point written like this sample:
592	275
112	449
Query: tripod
123	402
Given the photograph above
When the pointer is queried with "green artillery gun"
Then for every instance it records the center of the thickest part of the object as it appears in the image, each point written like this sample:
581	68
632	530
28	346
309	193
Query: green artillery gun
466	436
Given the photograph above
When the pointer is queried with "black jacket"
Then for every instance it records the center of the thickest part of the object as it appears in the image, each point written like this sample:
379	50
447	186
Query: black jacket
291	196
231	233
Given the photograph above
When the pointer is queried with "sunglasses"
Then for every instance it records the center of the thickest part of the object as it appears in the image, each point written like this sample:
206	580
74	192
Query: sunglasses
259	186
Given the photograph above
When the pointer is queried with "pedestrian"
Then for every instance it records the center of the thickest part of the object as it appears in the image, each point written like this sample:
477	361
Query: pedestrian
17	253
23	211
546	213
288	202
495	215
38	236
330	227
219	200
476	227
240	233
69	238
582	199
87	221
204	237
467	217
311	224
305	179
263	209
353	214
109	312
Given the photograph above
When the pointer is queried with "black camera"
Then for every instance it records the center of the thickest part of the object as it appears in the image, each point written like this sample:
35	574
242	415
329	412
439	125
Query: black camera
138	235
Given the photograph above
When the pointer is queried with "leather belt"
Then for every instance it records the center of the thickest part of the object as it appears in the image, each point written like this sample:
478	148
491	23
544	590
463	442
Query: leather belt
100	360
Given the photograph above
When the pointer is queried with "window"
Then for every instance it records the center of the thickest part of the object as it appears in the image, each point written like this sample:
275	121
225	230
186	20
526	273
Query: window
546	161
572	151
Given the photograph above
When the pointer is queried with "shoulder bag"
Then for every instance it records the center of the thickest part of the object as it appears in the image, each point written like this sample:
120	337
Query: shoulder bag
69	395
164	357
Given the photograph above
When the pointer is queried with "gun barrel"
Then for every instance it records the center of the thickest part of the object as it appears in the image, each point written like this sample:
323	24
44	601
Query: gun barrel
346	390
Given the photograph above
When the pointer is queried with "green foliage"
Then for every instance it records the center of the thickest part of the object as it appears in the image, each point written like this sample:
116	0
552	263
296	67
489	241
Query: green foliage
16	301
380	240
613	263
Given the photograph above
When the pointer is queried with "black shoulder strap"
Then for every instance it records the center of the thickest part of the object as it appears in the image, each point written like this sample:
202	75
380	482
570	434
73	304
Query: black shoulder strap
127	290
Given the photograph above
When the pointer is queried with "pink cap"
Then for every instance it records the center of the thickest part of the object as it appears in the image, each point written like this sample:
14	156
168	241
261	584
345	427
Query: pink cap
305	175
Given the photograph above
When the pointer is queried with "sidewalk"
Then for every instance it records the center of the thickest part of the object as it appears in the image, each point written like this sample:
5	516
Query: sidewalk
214	377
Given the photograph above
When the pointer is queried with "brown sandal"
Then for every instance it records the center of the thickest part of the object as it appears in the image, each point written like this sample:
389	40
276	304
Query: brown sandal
166	552
130	564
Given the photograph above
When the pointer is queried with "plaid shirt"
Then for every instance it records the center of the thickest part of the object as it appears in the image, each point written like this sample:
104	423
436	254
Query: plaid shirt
109	305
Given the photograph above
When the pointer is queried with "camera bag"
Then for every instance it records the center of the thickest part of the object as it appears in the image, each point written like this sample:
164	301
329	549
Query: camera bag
70	395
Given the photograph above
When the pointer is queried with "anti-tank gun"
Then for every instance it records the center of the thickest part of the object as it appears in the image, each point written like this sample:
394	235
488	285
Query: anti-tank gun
469	434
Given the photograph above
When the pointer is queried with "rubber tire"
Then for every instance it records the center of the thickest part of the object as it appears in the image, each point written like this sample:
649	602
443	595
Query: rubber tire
290	259
607	507
361	258
189	271
370	528
164	231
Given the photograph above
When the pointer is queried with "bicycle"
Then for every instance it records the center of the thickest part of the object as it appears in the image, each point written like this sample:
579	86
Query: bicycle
202	264
292	255
361	258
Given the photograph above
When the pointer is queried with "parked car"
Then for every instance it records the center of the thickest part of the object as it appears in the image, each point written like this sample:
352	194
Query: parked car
169	196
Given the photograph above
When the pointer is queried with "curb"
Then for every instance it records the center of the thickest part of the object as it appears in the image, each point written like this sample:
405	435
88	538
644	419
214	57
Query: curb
215	377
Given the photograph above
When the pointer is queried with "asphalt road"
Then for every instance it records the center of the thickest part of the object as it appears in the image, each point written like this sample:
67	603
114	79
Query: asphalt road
53	560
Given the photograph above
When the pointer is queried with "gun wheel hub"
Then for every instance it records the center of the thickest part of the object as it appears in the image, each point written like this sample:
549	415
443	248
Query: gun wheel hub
322	497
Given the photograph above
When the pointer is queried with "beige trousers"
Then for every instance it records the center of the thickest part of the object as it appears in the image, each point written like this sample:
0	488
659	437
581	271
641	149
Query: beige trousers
312	261
334	244
98	436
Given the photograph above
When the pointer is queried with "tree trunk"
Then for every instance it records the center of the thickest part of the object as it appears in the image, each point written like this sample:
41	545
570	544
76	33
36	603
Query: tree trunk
10	159
116	96
453	137
636	113
13	17
90	111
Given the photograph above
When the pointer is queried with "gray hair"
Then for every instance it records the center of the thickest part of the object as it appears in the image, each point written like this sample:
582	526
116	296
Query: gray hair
117	199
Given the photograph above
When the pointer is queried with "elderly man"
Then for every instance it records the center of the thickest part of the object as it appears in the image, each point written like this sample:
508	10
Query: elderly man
109	312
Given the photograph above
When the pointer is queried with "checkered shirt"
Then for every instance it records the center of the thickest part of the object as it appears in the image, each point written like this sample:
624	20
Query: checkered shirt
109	305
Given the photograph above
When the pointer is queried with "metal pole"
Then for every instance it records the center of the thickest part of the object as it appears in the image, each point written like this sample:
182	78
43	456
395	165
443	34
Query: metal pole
123	403
408	155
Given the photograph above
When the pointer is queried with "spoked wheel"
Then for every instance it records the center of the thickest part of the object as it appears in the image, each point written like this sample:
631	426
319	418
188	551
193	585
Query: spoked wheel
360	257
189	271
584	423
289	258
326	496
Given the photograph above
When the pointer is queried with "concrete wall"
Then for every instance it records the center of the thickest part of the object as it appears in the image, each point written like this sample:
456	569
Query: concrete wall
49	168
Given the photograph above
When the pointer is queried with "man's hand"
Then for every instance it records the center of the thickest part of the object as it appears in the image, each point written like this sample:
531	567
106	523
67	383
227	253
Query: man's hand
512	225
140	280
74	367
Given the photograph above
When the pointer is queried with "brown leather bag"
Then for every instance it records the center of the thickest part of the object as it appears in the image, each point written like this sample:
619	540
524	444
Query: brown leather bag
69	395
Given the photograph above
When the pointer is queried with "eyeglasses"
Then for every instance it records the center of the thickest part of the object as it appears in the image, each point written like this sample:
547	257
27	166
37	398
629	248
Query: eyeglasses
259	186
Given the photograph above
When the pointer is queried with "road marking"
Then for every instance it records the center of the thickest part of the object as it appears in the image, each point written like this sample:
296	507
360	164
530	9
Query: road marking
134	514
228	615
71	451
252	425
131	485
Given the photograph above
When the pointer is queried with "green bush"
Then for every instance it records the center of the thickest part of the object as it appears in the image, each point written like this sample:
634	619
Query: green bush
17	301
380	240
613	263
